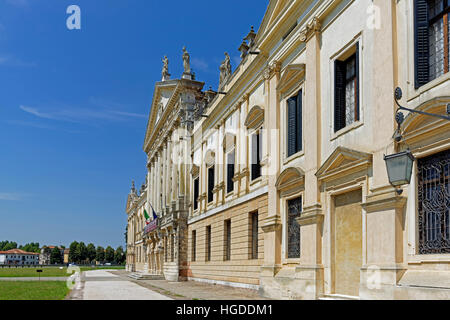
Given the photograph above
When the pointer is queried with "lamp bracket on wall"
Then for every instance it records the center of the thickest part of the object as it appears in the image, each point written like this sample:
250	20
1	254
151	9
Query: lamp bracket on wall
400	117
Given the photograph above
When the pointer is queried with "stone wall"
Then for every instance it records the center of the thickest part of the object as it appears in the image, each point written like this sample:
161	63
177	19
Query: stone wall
240	269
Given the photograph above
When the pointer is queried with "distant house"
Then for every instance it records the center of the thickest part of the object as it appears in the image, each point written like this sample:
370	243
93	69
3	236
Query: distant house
46	252
18	257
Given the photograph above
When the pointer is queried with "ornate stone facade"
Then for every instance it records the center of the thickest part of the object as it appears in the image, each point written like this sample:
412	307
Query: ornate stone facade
288	191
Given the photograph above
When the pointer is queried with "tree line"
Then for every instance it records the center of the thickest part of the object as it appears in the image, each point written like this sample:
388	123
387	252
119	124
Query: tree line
80	253
29	247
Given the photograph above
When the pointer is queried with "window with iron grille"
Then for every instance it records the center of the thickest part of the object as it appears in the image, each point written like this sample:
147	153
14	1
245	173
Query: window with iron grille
254	235
210	184
227	240
432	39
294	126
346	108
434	204
194	245
208	244
256	155
196	193
230	171
293	232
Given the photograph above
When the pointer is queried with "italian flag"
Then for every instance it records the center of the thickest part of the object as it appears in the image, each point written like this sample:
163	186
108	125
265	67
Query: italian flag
147	217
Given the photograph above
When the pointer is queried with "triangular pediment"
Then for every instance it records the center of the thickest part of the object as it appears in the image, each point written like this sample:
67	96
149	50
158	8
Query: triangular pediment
163	94
292	74
273	13
130	201
343	161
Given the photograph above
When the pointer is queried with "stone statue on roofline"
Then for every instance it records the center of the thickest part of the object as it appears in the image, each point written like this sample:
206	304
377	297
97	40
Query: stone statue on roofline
165	70
186	65
225	70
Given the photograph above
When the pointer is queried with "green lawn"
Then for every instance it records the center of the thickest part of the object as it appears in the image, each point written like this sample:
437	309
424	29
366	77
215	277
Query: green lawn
33	290
47	272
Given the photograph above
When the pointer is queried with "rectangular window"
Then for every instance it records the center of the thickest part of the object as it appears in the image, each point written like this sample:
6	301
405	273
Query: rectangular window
256	155
208	244
194	244
227	240
294	127
196	193
294	207
210	184
254	235
434	204
346	108
230	171
432	35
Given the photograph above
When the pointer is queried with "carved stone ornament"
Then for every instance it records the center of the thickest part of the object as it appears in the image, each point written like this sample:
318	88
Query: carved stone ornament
271	69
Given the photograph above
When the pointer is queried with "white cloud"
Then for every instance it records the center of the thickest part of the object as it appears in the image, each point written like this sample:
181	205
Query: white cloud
7	60
36	113
18	3
200	64
81	115
10	196
129	114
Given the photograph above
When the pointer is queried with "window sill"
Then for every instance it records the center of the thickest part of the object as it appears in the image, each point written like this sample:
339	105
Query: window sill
229	194
291	261
415	93
294	157
343	131
257	180
429	258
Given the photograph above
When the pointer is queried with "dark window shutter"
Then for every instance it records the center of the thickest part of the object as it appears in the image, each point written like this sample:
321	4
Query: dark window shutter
291	135
421	43
230	173
196	193
210	184
260	140
256	153
357	107
339	95
299	123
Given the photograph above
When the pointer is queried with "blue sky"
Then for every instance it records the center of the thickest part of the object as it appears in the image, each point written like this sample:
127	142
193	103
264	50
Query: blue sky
74	104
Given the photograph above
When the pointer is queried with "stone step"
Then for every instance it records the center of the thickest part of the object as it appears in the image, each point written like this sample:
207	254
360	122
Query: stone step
145	276
338	297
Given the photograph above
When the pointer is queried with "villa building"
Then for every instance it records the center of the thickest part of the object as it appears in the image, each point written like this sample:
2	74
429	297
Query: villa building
18	257
278	181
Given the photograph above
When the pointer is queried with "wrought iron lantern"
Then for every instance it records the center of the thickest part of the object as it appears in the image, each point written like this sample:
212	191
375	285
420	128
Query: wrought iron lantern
399	168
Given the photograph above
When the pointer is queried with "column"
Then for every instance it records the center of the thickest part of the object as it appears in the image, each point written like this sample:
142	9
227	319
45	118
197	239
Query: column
311	268
158	179
272	224
240	130
245	152
385	214
169	175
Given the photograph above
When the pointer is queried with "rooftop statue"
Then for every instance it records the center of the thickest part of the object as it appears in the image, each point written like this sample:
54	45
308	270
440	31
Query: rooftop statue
165	70
186	61
225	70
